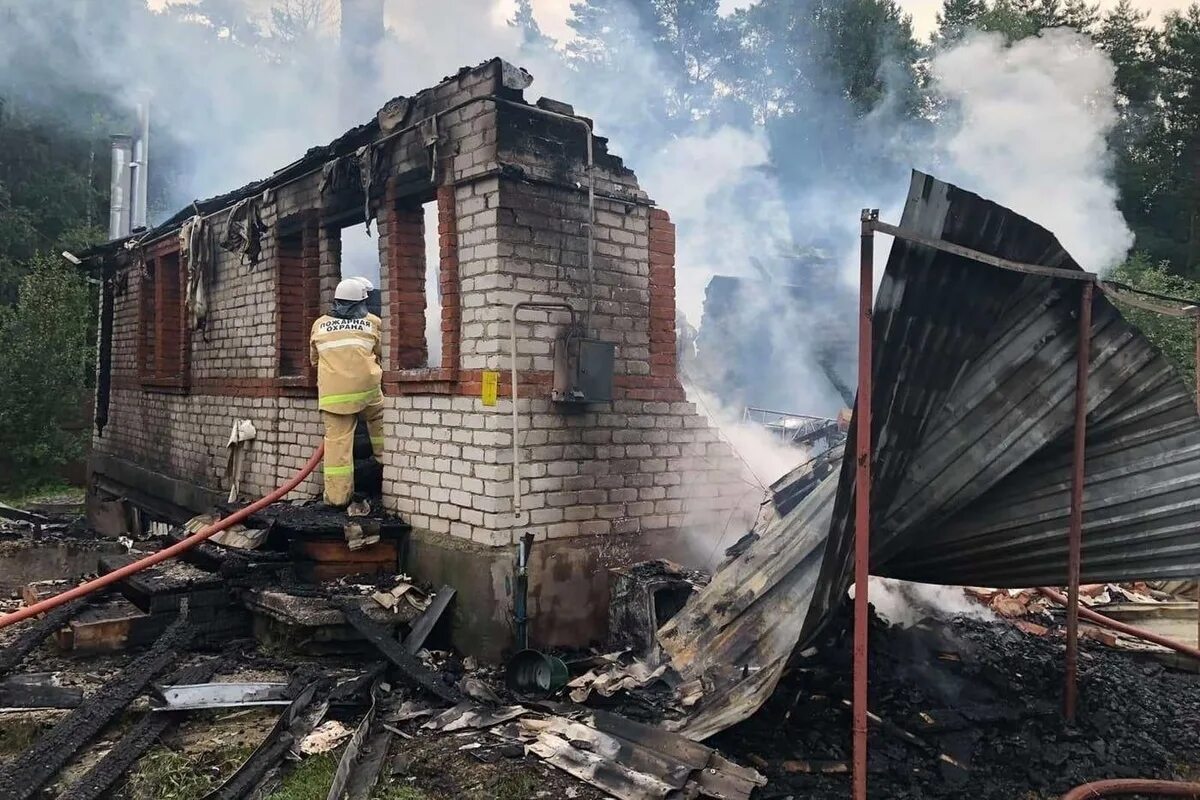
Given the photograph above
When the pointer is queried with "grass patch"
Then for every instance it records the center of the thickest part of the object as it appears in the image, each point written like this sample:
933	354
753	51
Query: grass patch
52	491
164	774
18	735
515	786
308	780
312	777
396	792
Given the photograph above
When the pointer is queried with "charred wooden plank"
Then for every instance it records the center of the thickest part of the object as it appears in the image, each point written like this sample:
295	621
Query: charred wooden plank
8	512
295	722
141	737
38	691
34	634
25	776
410	666
355	690
428	619
359	765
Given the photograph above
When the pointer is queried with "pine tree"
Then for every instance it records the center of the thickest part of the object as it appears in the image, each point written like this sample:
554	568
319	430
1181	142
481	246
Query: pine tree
1177	209
523	20
956	18
1130	42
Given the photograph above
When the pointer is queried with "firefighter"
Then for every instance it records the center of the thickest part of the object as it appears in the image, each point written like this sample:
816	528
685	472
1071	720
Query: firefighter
345	349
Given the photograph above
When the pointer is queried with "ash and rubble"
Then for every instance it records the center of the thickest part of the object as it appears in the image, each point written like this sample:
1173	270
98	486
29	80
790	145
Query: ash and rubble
983	701
962	706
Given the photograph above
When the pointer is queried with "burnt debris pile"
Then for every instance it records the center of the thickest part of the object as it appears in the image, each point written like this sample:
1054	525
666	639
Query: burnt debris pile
969	709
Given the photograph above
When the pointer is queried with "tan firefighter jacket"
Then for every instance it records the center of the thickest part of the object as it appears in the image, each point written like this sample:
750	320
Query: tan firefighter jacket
346	353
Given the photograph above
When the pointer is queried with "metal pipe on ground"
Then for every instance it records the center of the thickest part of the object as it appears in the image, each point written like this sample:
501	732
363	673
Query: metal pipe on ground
1127	786
167	552
1075	534
862	490
1108	622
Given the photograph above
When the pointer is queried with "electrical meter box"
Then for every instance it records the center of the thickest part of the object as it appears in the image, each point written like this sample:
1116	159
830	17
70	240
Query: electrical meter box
583	370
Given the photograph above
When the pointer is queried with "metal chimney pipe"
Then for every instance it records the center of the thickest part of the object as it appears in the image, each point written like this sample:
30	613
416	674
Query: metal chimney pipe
141	172
119	187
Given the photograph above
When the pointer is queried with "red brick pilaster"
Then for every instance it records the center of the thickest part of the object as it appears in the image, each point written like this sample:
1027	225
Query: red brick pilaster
406	285
662	297
448	278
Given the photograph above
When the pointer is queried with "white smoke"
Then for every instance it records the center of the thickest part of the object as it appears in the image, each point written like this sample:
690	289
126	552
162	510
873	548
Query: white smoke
905	604
1026	126
726	205
765	454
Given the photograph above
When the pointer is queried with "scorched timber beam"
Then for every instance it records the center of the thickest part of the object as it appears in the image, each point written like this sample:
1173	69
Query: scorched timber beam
140	738
413	670
41	762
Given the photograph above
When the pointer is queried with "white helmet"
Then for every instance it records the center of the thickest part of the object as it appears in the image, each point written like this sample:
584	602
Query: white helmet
370	287
350	289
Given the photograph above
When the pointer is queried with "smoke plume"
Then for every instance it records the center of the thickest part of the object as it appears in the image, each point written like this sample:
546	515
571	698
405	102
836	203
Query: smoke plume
773	199
1027	127
905	604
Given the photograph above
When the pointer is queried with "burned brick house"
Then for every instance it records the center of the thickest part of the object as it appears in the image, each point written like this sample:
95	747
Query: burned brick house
601	482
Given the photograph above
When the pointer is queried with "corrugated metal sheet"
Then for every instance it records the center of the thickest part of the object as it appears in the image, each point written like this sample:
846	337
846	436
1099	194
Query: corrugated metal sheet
974	378
975	413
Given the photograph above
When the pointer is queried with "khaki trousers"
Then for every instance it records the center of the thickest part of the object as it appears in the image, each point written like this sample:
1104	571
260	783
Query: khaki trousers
339	449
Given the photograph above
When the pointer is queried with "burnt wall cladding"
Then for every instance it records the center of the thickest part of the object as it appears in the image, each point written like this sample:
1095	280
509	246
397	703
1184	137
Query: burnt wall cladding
642	463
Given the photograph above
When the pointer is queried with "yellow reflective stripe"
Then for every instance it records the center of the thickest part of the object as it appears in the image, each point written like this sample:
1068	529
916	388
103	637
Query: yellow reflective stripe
356	341
377	440
331	471
353	397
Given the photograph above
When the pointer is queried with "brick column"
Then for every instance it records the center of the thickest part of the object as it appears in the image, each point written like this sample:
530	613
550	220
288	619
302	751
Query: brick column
448	279
662	298
406	286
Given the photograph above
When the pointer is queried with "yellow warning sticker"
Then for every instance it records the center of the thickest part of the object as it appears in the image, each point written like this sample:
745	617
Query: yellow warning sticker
491	383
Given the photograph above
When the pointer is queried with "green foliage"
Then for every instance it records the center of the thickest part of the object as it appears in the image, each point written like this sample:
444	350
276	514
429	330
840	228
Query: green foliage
515	786
165	774
308	780
1174	336
45	368
956	18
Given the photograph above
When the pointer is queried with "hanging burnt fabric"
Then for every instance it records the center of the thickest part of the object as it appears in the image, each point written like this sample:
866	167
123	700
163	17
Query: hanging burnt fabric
370	165
197	246
357	172
243	231
339	175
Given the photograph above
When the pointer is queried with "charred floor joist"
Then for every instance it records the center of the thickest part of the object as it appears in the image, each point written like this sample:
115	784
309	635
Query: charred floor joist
144	734
25	777
38	632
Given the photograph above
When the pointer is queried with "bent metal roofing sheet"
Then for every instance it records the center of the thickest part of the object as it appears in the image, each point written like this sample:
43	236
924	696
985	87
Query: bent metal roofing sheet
972	416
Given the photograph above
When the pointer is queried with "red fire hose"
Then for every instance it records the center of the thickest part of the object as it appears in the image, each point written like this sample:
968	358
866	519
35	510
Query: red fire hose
166	553
1108	622
1115	787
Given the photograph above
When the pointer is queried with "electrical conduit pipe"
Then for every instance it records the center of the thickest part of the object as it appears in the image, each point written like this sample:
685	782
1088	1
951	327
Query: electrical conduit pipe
1108	622
166	553
1117	787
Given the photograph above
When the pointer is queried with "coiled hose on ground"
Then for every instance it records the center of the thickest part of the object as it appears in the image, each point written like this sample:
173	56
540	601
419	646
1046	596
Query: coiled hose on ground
166	553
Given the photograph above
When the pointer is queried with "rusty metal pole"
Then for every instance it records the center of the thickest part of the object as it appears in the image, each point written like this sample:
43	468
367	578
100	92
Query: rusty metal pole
862	491
1075	537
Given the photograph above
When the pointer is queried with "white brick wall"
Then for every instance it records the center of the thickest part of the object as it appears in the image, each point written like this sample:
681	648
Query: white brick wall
629	466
